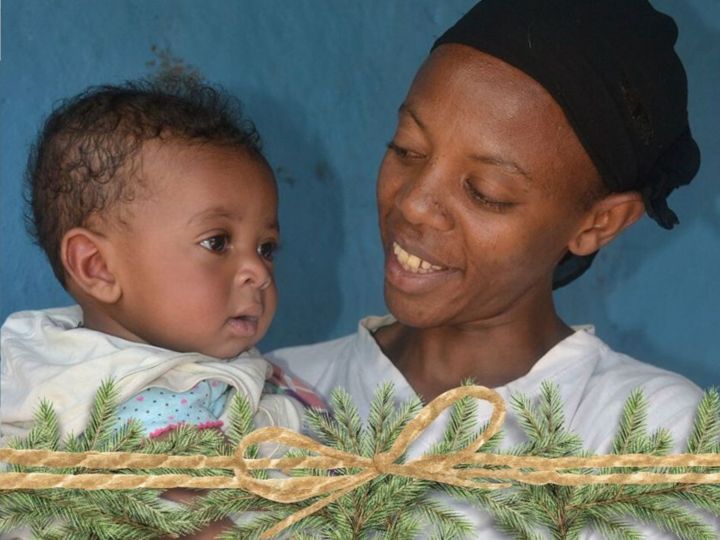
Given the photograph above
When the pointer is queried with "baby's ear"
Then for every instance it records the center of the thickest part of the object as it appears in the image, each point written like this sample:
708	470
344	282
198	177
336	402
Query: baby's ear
607	218
85	257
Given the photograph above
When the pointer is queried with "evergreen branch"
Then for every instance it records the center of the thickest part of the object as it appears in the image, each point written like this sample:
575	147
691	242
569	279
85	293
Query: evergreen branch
382	408
45	432
224	503
633	424
127	438
509	516
254	528
529	420
323	427
398	420
390	496
461	427
347	421
705	497
706	427
402	526
448	524
660	442
551	409
665	514
103	411
612	528
241	422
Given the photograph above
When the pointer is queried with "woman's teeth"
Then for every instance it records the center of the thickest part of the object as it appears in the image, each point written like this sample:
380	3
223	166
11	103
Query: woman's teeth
413	263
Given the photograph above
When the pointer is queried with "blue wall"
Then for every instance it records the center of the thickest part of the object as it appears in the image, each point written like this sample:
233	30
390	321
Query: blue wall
323	80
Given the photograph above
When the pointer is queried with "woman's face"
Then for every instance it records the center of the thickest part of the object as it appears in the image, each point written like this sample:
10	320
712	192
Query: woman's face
479	193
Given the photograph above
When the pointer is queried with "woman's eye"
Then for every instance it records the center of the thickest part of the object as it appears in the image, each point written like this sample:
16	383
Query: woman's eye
402	152
267	250
217	244
484	200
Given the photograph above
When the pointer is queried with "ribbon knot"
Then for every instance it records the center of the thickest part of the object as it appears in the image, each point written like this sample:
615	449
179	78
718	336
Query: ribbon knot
437	468
381	463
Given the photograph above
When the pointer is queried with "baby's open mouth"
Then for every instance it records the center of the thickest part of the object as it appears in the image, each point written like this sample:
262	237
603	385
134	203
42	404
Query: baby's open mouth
244	325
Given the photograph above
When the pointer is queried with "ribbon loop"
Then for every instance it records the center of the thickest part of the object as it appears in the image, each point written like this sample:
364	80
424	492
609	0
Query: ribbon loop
430	468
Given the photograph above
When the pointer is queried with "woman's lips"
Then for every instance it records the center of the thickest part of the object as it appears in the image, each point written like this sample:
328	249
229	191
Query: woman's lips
410	273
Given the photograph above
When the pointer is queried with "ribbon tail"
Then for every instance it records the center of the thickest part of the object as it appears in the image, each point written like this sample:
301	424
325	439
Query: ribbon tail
305	512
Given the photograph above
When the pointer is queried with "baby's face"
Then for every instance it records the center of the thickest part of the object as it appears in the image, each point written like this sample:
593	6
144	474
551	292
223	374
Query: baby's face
195	258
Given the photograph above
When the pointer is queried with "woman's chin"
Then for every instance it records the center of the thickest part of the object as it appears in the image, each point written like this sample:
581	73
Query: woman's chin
415	312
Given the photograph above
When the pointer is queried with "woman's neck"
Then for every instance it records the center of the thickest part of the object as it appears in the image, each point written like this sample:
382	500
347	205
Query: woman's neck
491	354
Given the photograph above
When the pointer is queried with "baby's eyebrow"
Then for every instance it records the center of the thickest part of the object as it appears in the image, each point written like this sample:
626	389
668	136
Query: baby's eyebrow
208	213
221	212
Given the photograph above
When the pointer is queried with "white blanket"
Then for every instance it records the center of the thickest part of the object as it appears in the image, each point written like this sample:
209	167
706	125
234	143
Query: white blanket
47	355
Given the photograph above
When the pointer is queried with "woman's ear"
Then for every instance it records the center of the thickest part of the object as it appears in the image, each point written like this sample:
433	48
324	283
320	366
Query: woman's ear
607	218
85	256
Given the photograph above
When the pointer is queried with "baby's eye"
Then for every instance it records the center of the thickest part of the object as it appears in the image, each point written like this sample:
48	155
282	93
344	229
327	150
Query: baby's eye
217	244
267	250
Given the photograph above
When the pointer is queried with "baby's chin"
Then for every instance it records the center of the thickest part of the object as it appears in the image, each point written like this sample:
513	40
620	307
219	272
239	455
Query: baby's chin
220	351
224	353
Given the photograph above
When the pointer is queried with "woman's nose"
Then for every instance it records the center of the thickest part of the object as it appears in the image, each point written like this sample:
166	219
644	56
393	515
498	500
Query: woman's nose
422	199
255	272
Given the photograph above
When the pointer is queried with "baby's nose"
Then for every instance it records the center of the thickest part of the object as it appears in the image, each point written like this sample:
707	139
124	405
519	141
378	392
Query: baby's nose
254	272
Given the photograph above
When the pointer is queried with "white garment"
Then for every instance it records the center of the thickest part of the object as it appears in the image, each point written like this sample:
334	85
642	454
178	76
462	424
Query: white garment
46	355
594	382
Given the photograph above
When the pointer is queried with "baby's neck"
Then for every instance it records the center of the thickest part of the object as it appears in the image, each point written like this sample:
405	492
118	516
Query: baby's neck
102	321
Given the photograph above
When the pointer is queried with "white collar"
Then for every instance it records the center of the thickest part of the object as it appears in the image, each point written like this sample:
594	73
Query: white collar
48	355
570	364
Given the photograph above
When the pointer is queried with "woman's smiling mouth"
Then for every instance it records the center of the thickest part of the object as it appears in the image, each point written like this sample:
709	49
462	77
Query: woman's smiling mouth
411	273
413	263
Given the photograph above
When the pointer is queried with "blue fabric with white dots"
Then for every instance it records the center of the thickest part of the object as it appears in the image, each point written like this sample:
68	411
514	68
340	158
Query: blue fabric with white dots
160	409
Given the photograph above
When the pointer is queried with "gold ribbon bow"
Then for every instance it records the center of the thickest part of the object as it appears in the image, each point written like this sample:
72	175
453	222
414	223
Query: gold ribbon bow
437	468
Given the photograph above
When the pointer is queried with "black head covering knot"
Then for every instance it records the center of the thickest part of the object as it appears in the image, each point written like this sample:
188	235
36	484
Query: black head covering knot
612	67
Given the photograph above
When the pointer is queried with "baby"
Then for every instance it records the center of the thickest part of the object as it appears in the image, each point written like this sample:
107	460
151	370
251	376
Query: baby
158	214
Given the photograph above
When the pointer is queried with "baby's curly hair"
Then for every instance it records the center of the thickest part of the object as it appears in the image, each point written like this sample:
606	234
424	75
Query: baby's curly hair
84	162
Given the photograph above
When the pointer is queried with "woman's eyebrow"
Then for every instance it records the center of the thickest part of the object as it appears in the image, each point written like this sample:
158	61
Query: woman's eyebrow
506	164
406	109
490	159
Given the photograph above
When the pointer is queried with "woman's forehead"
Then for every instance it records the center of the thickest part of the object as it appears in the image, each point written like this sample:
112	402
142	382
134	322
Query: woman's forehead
482	105
459	76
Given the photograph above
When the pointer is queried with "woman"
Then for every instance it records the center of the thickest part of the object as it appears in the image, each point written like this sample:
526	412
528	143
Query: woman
534	134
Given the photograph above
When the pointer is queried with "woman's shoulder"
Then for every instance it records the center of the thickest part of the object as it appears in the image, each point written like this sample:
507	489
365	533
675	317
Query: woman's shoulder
670	399
616	370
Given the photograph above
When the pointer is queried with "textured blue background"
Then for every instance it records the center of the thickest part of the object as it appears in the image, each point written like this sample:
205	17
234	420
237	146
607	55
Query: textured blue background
322	80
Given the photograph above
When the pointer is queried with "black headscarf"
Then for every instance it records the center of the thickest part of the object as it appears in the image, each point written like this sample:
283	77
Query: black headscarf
611	66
